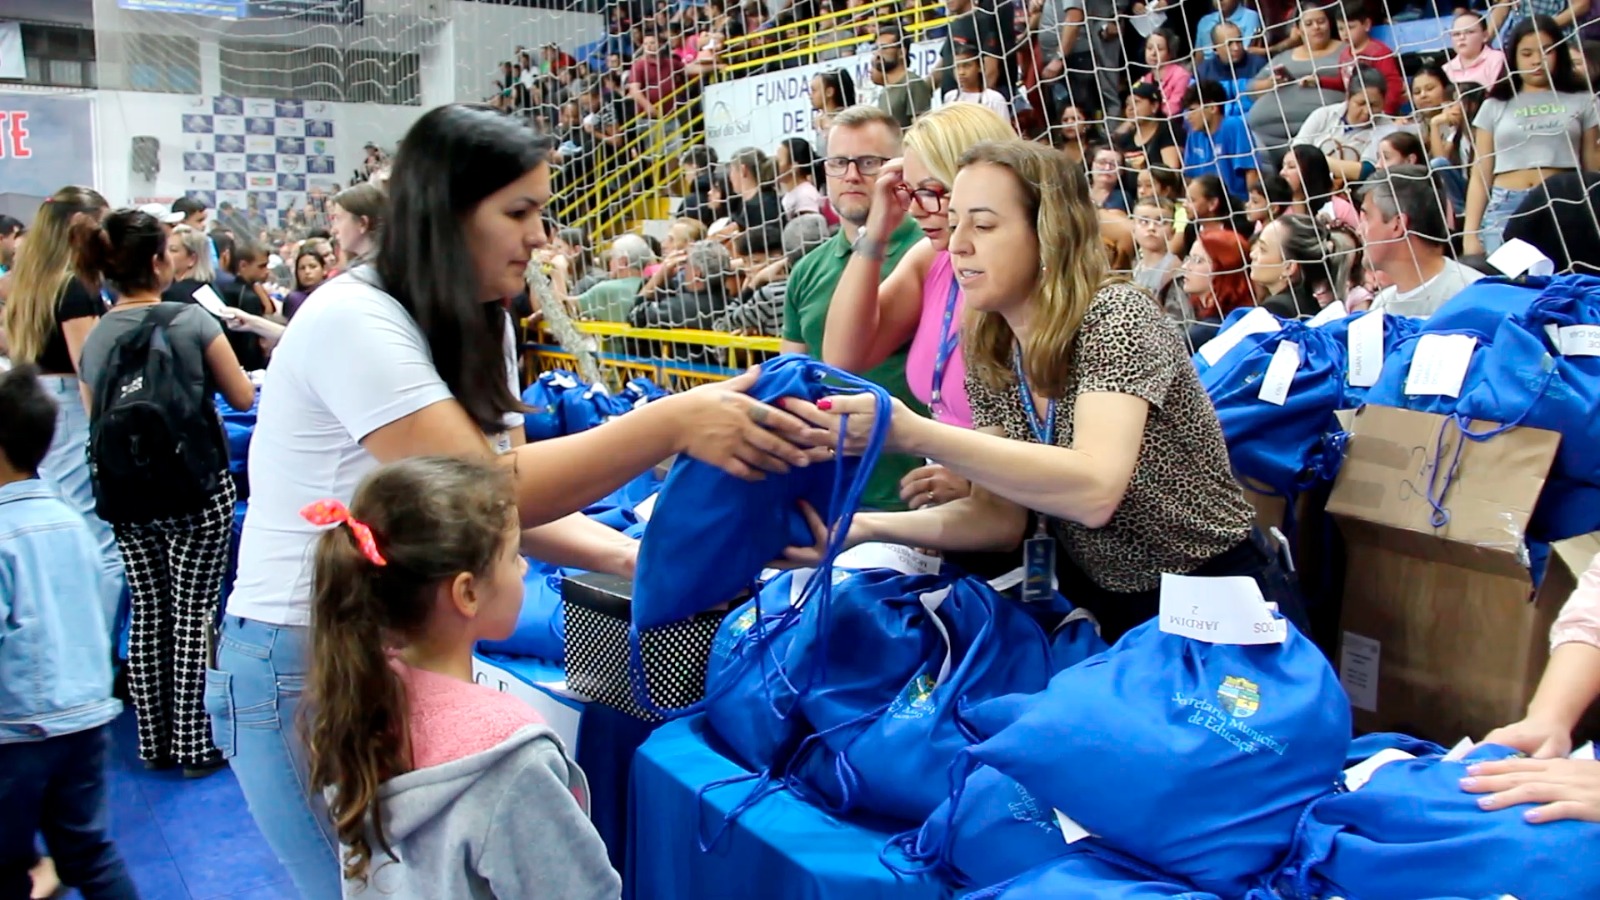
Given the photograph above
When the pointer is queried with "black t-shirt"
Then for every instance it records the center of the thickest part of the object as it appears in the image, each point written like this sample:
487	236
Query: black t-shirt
181	291
765	208
992	27
246	346
77	301
1150	151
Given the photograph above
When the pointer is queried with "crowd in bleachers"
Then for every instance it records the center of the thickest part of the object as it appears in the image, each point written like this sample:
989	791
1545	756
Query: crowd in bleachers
1264	121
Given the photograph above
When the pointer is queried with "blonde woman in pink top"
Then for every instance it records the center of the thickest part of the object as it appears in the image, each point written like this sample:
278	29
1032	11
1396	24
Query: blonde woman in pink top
919	303
1475	60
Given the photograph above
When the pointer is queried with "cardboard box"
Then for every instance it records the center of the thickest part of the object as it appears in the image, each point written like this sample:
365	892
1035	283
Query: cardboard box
1443	635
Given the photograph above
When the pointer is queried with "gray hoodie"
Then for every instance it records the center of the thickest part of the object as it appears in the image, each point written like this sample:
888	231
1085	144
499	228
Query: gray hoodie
505	823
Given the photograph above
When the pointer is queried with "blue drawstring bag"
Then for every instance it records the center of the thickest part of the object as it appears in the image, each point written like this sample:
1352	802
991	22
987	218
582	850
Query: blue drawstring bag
641	390
589	408
1082	875
712	533
1367	746
1196	758
1413	832
1076	638
542	621
889	752
1202	365
752	703
1480	307
1280	448
1395	330
1528	379
542	421
992	831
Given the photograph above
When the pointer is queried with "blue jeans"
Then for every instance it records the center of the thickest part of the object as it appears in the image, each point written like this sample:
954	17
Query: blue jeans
58	787
252	696
1497	215
1455	182
66	467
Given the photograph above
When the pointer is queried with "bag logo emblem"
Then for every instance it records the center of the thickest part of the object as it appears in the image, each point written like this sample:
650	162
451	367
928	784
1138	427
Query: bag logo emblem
916	700
1240	697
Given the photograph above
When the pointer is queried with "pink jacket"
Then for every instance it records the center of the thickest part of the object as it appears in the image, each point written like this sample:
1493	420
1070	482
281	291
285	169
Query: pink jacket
1579	621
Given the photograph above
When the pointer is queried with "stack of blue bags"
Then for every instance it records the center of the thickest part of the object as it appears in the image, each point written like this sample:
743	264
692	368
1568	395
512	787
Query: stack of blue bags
1536	363
560	403
1284	443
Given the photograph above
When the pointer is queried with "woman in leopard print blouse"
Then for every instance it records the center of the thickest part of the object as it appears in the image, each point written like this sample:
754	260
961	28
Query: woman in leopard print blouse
1086	407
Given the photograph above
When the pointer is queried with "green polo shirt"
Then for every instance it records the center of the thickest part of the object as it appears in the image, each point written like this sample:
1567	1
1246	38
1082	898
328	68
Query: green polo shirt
805	315
610	301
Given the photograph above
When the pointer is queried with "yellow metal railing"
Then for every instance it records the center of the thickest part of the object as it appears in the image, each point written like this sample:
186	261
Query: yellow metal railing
796	41
654	353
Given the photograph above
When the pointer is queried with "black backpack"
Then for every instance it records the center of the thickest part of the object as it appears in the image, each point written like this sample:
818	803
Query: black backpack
154	445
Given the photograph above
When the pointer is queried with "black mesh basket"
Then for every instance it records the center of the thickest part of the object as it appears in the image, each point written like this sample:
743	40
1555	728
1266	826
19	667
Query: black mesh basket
675	656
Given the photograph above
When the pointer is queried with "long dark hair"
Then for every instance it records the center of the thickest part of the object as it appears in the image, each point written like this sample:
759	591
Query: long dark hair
432	518
450	160
1563	79
804	159
1316	176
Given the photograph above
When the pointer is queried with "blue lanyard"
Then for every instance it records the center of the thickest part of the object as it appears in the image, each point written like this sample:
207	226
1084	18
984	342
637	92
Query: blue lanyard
1043	429
948	341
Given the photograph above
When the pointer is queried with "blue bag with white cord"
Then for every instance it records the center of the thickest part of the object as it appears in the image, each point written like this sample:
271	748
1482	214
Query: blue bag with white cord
1194	756
1410	831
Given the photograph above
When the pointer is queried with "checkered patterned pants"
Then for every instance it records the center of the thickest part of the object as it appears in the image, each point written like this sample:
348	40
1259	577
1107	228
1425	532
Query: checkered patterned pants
175	571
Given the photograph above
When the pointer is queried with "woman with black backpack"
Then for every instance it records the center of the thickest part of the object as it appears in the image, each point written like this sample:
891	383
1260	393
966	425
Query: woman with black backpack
160	463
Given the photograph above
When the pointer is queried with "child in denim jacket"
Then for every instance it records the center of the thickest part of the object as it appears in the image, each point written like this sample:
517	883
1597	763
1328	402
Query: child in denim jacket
55	667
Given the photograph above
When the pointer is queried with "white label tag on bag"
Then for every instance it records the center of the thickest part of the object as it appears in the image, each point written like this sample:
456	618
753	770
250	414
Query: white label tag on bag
1584	752
1333	312
1357	776
1256	321
1071	831
1460	750
1226	610
1579	340
647	508
904	560
1280	373
1440	364
1366	349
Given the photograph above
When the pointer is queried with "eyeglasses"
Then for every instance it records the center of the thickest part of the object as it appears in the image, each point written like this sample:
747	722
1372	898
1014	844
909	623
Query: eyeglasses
866	165
931	200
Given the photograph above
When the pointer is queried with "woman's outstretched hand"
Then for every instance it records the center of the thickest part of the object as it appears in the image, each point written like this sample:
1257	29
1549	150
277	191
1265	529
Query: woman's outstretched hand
1556	789
725	427
856	414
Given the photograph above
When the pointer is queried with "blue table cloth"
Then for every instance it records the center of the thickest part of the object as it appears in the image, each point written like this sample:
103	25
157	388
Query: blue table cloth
779	849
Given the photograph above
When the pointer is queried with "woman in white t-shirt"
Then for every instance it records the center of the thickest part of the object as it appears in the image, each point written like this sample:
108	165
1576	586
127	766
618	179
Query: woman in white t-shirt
406	357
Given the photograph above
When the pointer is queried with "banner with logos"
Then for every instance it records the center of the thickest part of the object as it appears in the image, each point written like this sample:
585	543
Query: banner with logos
257	155
46	142
761	110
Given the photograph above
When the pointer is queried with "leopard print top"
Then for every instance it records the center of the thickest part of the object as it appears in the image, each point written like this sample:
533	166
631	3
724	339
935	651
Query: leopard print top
1183	505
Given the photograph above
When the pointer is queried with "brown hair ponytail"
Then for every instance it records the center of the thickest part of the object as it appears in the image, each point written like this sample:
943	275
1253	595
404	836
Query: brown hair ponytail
432	518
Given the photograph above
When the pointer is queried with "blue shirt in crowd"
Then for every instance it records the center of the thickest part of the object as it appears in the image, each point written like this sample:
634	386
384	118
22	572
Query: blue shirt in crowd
55	644
1248	20
1229	153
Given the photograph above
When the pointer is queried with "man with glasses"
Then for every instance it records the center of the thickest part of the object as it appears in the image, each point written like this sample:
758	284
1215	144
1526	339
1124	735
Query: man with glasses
861	141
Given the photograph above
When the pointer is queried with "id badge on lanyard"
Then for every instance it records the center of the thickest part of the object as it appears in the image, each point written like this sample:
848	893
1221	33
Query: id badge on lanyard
1039	551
